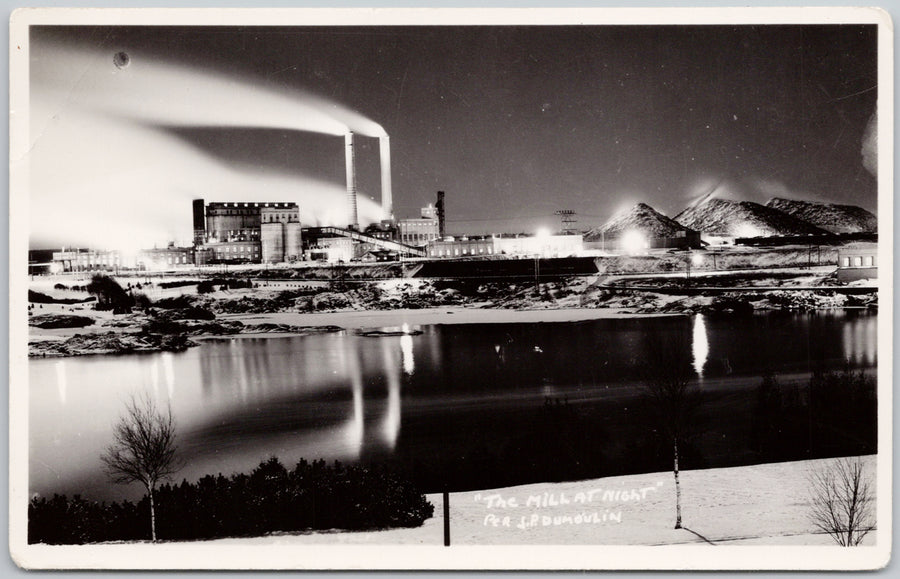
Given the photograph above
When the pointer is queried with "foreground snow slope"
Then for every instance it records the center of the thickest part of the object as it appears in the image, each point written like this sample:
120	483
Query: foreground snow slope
764	504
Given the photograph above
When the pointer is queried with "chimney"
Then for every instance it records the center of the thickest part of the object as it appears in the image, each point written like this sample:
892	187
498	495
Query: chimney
387	200
439	206
352	216
199	222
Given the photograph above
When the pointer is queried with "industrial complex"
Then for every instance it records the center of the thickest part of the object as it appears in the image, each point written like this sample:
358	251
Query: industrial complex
261	232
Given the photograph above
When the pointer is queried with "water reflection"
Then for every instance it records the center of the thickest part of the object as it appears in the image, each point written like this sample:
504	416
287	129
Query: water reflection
391	424
61	381
355	427
406	349
344	396
860	340
168	372
700	344
154	379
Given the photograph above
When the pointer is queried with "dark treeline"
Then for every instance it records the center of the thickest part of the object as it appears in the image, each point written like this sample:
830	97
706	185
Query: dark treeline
209	285
312	496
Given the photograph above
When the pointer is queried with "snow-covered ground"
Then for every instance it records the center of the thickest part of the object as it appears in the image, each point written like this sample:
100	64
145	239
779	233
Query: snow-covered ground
765	504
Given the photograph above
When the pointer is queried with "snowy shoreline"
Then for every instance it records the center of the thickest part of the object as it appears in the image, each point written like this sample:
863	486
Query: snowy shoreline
430	316
764	504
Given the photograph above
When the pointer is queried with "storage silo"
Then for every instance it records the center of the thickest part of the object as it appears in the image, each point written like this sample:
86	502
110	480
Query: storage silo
272	241
293	244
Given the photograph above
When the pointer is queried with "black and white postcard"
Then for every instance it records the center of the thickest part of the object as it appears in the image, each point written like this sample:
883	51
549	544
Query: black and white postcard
451	288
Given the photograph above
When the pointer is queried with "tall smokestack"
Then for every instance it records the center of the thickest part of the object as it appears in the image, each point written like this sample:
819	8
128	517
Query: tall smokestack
387	200
352	217
439	206
199	222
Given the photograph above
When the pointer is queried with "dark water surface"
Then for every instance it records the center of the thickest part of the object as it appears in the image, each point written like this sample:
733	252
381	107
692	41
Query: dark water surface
453	391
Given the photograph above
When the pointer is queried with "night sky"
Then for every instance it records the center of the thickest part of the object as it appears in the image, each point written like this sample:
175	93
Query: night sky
515	123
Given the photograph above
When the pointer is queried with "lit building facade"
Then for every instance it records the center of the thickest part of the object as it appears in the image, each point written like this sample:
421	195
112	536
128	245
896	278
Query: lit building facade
513	245
248	232
858	262
462	247
69	260
332	249
165	258
422	230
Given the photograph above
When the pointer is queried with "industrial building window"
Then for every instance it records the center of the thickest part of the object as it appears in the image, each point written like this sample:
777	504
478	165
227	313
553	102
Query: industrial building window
845	261
857	261
869	261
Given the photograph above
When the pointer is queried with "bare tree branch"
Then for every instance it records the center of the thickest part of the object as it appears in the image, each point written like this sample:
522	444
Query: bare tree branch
842	501
144	448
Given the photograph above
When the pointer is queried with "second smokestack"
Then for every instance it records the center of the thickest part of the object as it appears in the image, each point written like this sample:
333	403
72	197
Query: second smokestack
352	213
387	201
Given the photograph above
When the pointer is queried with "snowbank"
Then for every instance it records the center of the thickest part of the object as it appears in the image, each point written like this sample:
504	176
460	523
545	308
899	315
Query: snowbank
764	504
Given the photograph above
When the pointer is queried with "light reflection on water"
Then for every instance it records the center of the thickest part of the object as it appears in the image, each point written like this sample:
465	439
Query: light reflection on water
699	344
860	341
344	396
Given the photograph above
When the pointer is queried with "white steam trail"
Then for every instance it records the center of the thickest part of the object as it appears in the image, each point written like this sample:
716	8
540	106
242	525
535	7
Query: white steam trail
104	183
102	176
163	93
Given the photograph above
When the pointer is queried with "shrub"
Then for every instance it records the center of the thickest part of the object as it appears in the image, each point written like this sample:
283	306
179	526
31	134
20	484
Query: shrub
42	298
205	287
178	302
141	300
174	284
110	295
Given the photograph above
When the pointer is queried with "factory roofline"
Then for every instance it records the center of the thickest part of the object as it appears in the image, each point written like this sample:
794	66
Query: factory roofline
285	205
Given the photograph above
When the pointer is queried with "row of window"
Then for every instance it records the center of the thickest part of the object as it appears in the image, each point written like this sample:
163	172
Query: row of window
220	255
239	249
858	261
438	252
278	217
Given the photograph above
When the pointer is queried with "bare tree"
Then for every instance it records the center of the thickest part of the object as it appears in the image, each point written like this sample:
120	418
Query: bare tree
144	450
842	501
674	399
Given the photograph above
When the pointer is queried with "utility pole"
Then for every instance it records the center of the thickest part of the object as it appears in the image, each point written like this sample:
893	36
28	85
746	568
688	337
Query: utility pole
568	218
690	258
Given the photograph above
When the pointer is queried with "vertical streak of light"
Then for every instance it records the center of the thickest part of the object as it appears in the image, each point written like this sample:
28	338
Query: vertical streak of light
700	344
61	384
871	340
434	338
154	378
237	354
847	336
169	372
391	428
859	346
406	351
355	429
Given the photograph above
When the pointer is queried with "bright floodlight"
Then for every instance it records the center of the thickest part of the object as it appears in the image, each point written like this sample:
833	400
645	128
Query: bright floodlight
747	230
542	232
697	259
633	242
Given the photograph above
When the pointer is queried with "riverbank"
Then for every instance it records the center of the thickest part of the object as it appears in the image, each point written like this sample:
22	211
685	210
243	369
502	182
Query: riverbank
176	321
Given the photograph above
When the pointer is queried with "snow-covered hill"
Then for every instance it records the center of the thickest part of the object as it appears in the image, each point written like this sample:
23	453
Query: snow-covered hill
641	217
726	218
829	216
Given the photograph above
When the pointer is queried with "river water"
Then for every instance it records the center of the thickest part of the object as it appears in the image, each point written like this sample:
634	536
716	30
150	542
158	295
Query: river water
351	397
